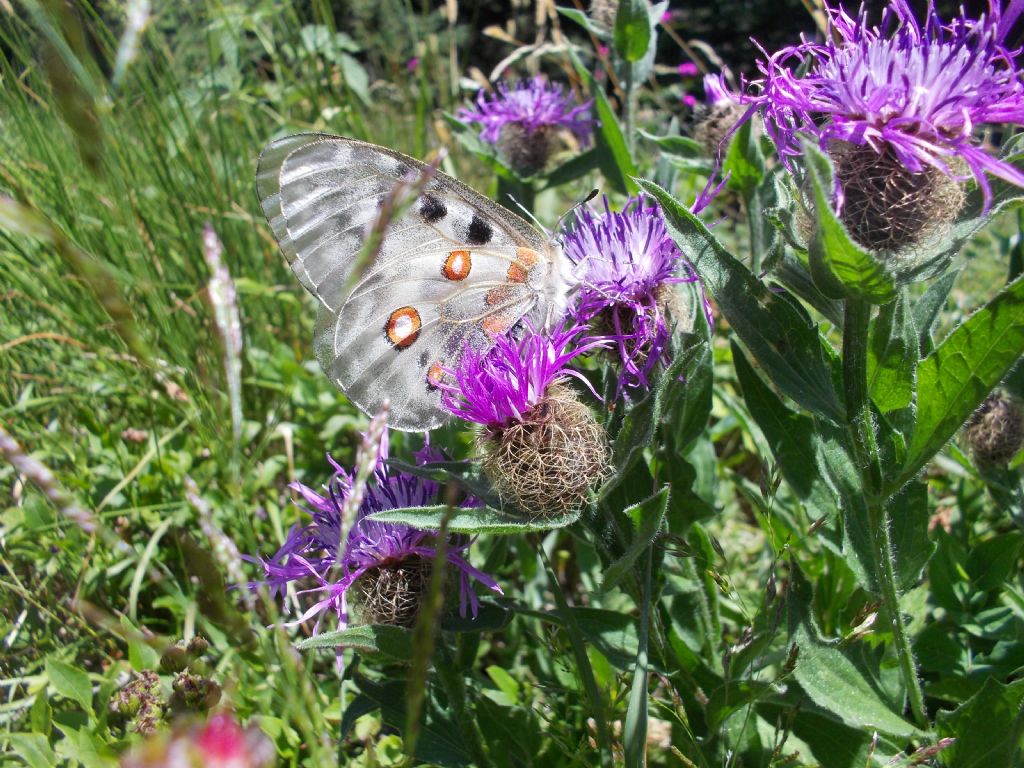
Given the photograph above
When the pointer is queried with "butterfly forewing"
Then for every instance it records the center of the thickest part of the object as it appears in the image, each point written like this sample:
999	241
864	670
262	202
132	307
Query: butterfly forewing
450	270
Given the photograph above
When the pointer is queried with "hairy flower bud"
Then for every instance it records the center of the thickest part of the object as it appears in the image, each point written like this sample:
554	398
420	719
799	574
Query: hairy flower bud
546	463
541	447
889	209
392	593
996	430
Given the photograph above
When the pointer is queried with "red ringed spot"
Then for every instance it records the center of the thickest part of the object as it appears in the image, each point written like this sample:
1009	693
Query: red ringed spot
403	326
434	374
457	265
498	296
495	325
518	270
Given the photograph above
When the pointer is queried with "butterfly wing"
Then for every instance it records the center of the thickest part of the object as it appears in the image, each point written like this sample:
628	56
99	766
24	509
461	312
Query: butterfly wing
453	269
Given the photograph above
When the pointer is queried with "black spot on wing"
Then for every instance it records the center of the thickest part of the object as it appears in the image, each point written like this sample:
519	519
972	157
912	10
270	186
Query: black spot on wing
479	231
424	357
432	209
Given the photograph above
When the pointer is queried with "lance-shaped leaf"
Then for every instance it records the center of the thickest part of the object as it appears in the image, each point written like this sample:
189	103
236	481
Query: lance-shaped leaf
778	333
472	520
612	150
646	518
892	356
632	29
955	378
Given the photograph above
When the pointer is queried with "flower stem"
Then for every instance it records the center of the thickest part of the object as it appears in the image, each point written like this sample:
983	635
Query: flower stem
629	107
856	322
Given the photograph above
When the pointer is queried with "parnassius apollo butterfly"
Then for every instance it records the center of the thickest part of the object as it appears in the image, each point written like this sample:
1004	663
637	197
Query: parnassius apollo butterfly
454	269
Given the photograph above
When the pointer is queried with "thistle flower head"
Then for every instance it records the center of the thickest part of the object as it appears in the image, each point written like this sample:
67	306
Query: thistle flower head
916	92
717	118
371	546
524	121
541	447
499	387
625	262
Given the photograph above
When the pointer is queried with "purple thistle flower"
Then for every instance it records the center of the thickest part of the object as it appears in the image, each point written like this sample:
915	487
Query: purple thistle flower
918	92
717	91
532	105
624	260
311	551
500	386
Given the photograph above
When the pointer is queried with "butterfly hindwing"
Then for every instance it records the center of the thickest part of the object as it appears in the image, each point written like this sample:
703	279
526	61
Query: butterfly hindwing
449	271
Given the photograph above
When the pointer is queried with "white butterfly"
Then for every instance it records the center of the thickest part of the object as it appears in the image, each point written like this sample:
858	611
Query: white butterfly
454	269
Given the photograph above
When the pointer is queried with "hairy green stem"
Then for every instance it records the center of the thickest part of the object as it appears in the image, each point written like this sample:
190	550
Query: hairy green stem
755	223
856	322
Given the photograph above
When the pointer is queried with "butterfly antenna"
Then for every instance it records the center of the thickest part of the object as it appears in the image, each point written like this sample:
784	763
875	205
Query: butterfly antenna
579	204
529	214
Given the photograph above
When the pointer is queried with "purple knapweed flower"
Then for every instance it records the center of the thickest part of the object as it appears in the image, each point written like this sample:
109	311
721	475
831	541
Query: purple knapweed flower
917	92
310	552
687	69
523	121
625	263
500	386
540	446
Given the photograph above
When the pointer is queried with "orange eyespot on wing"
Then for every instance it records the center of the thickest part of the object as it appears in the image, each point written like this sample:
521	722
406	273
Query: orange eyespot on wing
518	270
434	374
403	326
457	265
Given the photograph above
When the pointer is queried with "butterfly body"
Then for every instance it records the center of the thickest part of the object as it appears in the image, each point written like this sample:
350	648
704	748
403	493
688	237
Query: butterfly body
450	271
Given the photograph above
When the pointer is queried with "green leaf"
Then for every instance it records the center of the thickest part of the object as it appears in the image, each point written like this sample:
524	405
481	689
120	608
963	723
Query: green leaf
744	161
841	268
954	379
612	150
505	683
33	748
40	715
574	168
646	518
831	679
578	16
908	511
991	562
472	520
893	355
388	641
490	618
70	682
928	307
682	146
777	332
632	29
987	727
641	421
793	438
